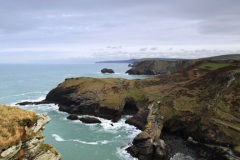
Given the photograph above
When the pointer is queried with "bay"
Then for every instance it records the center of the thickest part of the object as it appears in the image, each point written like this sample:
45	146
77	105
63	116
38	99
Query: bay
73	139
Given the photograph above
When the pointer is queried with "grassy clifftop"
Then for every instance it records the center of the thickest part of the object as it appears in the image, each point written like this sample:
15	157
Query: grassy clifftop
20	135
12	122
202	99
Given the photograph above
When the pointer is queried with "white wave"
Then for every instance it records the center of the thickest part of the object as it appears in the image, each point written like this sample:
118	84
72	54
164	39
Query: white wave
92	143
123	155
50	107
39	99
109	126
17	95
57	137
117	136
31	100
180	156
104	142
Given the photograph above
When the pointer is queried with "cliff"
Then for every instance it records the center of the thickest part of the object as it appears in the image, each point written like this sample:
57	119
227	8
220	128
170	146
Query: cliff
154	67
200	101
21	138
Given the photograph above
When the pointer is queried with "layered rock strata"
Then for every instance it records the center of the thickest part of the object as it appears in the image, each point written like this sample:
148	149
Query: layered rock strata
32	148
147	144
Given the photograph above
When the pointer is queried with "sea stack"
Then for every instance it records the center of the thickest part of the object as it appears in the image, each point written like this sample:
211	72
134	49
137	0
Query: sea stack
105	70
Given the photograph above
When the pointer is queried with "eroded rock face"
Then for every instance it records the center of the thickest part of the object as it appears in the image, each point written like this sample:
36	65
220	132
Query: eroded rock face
32	147
148	145
105	70
40	125
10	152
90	120
139	120
154	67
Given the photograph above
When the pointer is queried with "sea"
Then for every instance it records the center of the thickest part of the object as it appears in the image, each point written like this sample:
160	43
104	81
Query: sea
73	139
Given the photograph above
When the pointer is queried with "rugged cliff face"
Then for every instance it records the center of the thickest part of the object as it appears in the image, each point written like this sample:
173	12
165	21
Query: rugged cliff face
31	146
200	101
154	67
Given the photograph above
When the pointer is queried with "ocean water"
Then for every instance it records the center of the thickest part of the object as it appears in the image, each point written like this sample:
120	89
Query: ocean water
73	139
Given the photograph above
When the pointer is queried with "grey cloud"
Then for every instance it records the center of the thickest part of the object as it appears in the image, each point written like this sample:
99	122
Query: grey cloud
113	47
154	48
40	24
143	49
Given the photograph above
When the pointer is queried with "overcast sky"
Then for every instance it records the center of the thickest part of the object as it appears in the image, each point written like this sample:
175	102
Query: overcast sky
92	30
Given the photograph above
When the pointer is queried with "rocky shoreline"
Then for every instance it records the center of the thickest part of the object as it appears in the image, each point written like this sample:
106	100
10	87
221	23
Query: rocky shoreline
175	103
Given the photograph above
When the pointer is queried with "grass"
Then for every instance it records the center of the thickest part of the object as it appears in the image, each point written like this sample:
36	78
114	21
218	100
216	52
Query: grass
228	125
12	122
213	66
12	129
237	148
178	94
45	147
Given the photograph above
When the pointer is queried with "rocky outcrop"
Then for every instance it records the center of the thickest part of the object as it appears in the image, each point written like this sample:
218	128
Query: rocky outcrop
72	117
105	70
212	151
32	147
139	120
154	67
148	145
89	120
204	106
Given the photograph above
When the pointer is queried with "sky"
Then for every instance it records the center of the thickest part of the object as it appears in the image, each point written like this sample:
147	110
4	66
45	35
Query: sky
35	31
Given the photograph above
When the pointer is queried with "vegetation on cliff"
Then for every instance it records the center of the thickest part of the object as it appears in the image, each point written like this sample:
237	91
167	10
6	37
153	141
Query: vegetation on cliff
20	135
201	100
154	67
12	123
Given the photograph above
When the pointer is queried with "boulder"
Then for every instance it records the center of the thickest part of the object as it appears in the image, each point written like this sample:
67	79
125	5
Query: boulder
72	117
105	70
89	120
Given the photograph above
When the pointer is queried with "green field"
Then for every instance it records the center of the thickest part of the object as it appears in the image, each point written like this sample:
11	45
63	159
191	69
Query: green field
213	66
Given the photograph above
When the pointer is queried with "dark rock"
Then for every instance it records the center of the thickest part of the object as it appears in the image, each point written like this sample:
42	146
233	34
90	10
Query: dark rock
33	103
142	151
139	120
90	120
143	136
130	65
105	70
211	151
72	117
154	67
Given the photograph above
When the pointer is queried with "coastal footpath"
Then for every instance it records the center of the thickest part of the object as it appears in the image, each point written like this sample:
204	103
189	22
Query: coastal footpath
21	135
200	103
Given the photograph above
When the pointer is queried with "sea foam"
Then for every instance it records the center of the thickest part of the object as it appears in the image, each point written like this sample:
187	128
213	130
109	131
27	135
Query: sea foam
57	137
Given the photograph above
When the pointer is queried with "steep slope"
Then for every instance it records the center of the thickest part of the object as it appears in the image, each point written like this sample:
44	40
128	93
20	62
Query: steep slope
20	135
200	101
154	67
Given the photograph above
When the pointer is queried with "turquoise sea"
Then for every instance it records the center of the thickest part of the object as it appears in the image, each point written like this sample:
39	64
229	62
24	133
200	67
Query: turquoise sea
73	139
